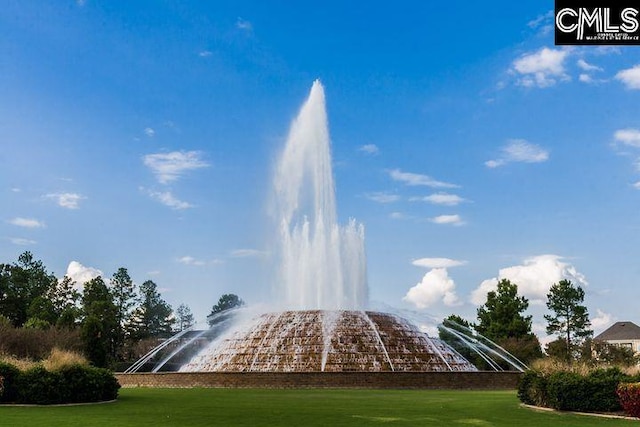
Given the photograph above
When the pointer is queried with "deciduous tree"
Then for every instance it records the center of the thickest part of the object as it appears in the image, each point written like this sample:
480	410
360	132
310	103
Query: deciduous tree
184	318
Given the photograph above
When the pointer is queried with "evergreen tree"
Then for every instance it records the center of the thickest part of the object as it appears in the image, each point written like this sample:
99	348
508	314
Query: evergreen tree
226	302
569	319
99	327
501	320
153	318
124	299
501	316
63	295
20	284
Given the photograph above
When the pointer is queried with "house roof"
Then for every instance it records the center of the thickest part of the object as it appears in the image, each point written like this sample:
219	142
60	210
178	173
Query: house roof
620	331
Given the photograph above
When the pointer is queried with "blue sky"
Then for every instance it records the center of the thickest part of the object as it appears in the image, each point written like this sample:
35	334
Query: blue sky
144	134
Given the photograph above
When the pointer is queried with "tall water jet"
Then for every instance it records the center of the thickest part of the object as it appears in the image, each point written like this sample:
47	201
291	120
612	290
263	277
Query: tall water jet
323	265
322	325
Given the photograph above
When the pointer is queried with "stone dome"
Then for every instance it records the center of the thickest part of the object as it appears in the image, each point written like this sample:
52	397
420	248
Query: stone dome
329	341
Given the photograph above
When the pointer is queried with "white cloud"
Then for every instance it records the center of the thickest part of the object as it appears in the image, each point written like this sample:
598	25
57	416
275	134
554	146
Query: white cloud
168	199
444	199
630	77
66	200
519	151
243	24
629	136
542	68
585	78
414	179
636	185
247	253
371	149
382	197
436	286
81	274
585	66
601	321
542	21
189	260
447	220
22	242
168	167
27	222
437	262
81	2
149	132
205	53
534	278
398	215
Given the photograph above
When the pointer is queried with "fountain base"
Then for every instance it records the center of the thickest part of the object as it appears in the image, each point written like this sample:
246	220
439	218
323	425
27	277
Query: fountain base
328	341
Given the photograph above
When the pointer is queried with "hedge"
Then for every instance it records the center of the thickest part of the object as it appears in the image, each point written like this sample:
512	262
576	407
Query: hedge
568	391
71	384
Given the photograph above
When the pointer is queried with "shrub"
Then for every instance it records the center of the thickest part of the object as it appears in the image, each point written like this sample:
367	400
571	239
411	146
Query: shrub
35	343
39	386
629	397
572	391
88	384
10	374
532	389
68	383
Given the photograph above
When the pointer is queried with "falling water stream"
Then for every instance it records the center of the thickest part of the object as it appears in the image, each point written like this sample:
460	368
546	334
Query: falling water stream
322	272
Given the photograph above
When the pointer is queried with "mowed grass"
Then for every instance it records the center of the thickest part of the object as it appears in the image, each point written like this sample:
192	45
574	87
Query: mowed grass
241	407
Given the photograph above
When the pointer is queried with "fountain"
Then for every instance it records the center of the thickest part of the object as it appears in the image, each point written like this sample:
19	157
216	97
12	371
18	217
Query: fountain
321	323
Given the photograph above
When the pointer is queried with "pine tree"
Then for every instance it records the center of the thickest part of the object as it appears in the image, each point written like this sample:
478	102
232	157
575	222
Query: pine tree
570	319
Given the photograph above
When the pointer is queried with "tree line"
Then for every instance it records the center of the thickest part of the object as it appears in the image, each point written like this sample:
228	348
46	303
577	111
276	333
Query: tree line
502	319
111	316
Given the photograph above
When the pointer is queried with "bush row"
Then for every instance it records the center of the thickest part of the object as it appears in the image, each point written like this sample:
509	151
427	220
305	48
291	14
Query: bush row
70	384
570	391
35	343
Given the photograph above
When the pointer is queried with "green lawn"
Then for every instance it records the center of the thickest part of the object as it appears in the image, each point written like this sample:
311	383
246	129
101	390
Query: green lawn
234	407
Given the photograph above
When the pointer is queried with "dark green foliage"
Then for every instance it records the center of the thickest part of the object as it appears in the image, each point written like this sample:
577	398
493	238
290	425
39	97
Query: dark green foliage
124	299
71	384
41	308
570	319
152	319
501	316
570	391
501	320
226	302
100	327
532	389
39	386
10	374
88	384
20	284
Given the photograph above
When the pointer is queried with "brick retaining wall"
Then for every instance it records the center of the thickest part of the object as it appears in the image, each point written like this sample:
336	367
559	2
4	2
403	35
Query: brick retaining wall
371	380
